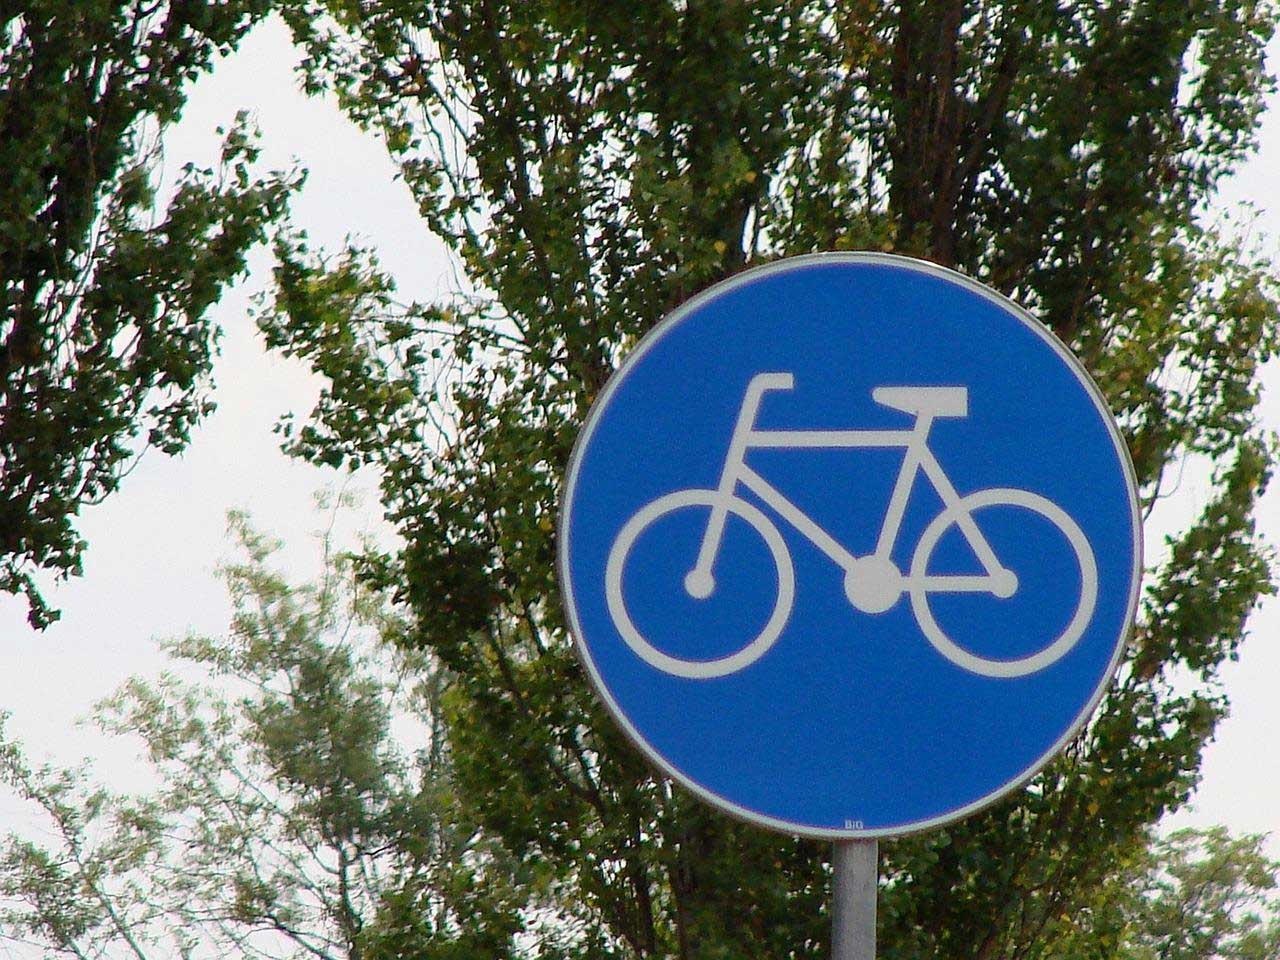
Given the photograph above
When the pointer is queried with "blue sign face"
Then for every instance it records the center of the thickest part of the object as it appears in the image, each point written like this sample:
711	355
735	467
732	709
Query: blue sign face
850	545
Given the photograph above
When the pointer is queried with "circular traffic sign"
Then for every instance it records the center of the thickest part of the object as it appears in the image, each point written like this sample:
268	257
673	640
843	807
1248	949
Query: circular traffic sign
850	545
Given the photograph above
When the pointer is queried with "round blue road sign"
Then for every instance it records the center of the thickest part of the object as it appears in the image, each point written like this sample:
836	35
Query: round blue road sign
850	545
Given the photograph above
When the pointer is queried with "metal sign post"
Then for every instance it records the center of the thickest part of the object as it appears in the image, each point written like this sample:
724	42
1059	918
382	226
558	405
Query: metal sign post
854	870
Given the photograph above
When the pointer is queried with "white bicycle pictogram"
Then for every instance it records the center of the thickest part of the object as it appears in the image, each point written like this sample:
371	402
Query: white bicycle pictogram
872	583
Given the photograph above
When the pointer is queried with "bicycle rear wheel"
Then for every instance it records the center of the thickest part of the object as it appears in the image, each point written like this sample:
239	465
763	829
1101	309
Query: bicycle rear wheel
1057	644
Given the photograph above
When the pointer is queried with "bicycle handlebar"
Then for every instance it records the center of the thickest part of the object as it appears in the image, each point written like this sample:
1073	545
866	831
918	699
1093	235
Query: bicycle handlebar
770	381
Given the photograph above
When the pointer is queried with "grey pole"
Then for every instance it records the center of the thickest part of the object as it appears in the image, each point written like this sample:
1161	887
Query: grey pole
855	871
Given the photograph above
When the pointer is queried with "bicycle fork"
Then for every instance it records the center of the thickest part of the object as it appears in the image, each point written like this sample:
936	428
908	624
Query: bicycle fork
700	582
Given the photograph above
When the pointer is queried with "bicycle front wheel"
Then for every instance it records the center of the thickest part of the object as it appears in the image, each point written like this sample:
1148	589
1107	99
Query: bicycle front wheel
1056	643
756	645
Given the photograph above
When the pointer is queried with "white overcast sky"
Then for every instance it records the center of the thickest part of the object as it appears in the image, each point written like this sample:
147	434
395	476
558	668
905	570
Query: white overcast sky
154	546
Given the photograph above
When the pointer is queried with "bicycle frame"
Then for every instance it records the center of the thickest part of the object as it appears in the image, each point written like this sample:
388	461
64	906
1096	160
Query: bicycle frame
917	459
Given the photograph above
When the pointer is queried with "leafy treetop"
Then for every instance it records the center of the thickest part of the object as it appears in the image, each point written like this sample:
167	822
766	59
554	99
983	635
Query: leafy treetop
104	335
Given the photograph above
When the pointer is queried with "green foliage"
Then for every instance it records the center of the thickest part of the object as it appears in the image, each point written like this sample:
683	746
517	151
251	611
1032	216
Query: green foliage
1194	895
1208	895
592	164
104	338
284	819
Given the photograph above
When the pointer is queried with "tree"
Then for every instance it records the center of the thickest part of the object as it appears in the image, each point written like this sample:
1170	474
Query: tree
1192	895
593	164
104	334
1209	894
284	822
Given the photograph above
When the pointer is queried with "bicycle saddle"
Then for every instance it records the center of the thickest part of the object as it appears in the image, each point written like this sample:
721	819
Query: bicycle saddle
921	401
